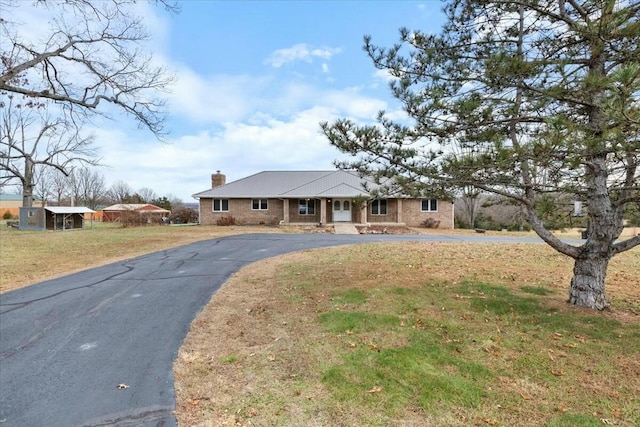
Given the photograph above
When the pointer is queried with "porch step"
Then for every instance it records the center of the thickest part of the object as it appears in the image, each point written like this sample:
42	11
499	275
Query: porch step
344	228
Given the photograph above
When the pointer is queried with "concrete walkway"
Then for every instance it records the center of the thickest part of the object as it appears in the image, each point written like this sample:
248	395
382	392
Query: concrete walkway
344	228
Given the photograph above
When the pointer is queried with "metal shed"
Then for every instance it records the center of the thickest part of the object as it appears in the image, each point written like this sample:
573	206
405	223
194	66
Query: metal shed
54	218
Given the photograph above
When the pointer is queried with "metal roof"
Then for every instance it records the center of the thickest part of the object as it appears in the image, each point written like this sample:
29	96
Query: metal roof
69	209
143	207
293	184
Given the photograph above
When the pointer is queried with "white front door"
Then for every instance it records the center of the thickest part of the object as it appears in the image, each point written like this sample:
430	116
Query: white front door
342	210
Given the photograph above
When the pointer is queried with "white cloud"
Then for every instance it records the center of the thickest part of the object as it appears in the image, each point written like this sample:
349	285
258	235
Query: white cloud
352	103
214	98
263	140
299	52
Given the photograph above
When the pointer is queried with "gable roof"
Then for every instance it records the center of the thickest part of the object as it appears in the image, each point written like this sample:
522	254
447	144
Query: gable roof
293	184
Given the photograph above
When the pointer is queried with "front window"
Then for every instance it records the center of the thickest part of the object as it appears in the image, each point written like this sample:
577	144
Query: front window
379	207
306	207
221	205
429	205
259	204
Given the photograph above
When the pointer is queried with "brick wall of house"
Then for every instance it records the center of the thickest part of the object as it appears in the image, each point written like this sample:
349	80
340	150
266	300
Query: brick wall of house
294	213
241	210
391	216
413	216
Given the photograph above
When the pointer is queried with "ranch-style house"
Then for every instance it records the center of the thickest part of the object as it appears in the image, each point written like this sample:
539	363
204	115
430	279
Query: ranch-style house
314	197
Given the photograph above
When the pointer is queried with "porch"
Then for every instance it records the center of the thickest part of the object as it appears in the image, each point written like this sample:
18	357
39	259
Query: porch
331	211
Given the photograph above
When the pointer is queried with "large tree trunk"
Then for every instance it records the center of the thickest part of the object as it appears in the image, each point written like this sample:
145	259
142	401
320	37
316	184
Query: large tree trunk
587	284
27	183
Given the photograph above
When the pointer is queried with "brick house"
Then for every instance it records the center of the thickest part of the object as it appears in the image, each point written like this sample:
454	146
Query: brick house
314	197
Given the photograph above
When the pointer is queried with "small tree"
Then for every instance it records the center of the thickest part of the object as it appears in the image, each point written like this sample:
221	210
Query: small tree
184	215
147	195
162	202
120	192
469	202
88	187
519	98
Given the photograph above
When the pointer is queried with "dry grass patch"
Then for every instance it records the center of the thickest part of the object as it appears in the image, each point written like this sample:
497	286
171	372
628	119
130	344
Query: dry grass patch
412	334
27	257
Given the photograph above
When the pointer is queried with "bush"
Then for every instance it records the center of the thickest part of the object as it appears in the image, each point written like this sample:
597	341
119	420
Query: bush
131	219
430	223
183	215
226	220
7	215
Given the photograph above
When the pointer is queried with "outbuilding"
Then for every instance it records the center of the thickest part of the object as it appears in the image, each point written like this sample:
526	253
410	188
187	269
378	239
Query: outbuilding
54	218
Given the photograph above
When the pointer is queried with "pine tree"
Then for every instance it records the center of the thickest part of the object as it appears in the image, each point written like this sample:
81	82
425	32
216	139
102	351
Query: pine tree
523	99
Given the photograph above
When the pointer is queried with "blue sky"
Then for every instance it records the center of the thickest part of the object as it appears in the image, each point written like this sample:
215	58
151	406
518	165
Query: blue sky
253	81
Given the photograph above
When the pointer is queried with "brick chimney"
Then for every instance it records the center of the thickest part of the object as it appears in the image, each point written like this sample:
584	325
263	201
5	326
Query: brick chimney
218	179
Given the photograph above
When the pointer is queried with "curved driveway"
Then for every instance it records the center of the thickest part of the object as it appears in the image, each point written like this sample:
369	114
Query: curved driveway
67	344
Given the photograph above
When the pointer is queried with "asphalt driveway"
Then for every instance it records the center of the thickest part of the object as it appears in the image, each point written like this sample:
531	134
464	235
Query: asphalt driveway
66	345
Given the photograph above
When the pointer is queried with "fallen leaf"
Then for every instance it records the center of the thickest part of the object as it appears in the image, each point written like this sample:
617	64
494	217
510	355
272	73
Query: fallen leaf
557	373
490	421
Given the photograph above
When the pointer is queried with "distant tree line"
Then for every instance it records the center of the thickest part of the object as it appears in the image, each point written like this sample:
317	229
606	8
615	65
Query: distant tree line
85	186
556	211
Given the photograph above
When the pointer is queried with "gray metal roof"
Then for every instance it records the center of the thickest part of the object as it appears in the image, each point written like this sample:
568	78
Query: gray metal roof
293	184
69	209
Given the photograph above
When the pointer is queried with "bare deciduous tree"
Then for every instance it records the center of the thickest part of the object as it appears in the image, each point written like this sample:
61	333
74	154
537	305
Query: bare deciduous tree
88	187
32	139
90	55
146	194
119	192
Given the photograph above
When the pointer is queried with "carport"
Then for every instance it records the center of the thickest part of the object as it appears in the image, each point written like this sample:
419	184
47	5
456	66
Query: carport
66	217
54	218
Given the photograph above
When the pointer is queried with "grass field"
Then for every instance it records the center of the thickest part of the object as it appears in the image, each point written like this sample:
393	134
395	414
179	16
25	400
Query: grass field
413	335
409	334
